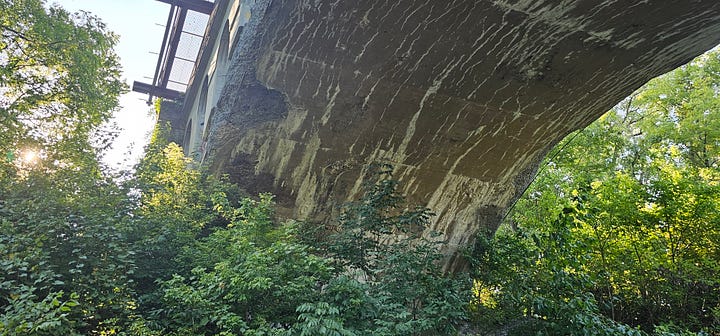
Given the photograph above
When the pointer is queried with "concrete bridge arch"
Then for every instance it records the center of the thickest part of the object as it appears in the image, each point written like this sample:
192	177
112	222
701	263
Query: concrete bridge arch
463	97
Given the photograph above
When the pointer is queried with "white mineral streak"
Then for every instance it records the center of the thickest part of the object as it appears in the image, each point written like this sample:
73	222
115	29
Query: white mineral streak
330	104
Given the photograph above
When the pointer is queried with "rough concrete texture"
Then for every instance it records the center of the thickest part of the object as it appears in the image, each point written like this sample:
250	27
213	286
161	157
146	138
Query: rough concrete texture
463	97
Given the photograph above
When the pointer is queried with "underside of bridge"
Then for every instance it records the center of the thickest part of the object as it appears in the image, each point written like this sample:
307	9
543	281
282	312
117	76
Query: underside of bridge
462	97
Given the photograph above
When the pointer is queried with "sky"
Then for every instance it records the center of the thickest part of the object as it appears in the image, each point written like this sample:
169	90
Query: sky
140	26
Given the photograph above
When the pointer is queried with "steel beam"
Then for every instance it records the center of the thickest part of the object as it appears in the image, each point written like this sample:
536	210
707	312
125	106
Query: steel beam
156	91
201	6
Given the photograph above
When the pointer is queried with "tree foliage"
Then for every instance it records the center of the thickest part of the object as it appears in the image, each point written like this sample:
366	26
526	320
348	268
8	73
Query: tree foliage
254	276
59	81
631	231
64	264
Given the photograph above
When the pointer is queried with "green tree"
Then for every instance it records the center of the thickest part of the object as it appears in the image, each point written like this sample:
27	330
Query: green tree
61	240
174	205
632	229
59	81
63	259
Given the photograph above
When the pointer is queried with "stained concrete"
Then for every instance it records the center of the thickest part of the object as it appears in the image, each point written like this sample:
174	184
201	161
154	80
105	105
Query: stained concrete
463	97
